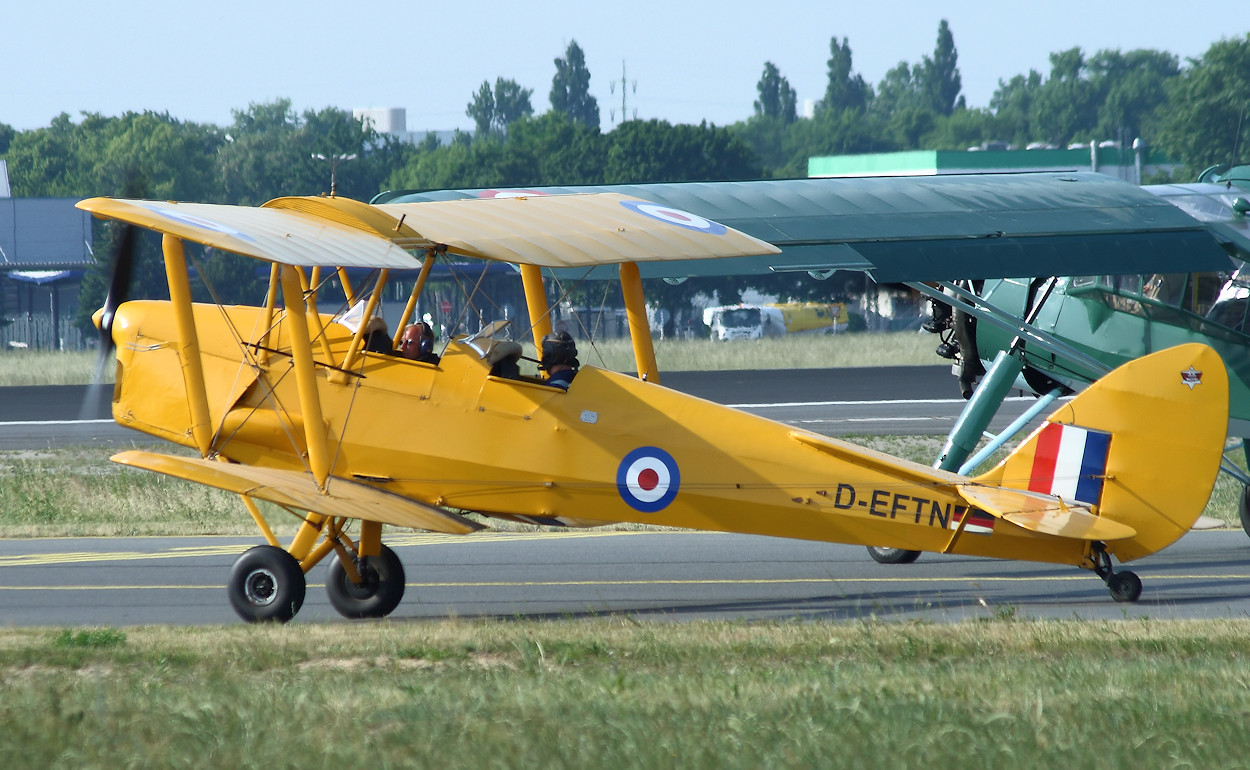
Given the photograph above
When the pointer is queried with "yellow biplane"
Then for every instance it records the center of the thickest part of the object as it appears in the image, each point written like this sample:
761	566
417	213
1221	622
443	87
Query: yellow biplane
294	406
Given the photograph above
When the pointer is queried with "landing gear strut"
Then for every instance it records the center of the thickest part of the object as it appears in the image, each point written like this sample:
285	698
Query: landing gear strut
1124	586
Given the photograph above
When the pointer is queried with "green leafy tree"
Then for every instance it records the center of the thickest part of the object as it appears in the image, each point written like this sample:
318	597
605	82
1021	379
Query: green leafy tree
1014	106
655	151
777	97
1208	117
570	88
939	76
1067	104
845	89
482	109
770	139
493	110
512	102
562	151
962	129
1132	89
148	154
904	107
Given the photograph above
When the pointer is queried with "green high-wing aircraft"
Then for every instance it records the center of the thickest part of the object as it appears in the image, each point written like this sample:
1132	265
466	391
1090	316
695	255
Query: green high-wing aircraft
1057	277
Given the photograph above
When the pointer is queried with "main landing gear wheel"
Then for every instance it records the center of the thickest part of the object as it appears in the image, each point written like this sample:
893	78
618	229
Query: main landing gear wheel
266	584
892	555
1243	508
378	594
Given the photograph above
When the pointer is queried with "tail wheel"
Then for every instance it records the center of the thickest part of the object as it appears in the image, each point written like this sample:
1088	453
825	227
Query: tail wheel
1124	586
266	584
379	592
892	555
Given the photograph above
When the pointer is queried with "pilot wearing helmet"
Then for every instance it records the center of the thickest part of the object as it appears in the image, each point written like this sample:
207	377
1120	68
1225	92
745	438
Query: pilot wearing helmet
559	359
417	343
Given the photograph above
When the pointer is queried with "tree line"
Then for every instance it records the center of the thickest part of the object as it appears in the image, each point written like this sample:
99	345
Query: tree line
1198	113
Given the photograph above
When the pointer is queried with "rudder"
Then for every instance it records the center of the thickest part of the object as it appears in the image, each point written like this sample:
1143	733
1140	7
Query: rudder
1143	445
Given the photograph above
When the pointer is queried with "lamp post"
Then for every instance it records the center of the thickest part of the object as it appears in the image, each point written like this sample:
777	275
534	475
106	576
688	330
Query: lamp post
334	165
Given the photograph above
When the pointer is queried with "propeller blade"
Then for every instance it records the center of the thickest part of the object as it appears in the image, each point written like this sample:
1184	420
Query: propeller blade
119	283
118	292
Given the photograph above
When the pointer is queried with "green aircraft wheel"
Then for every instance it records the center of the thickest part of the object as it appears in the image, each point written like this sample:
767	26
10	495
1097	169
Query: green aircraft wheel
892	555
1243	508
266	584
379	593
1124	586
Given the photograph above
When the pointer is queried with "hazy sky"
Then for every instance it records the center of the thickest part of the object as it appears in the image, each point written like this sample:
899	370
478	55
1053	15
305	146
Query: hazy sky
684	61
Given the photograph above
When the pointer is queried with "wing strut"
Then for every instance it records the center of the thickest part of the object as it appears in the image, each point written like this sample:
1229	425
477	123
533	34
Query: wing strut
411	307
536	300
188	342
639	329
305	376
358	339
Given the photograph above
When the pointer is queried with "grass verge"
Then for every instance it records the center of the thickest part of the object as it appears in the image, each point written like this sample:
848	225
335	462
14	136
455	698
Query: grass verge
27	367
614	693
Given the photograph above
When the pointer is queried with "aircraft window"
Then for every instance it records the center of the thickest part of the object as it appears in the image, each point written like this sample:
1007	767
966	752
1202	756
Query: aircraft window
1167	288
1123	285
1202	291
1230	308
1082	281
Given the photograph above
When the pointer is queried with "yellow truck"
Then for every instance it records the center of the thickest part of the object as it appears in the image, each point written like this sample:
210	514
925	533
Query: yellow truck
751	322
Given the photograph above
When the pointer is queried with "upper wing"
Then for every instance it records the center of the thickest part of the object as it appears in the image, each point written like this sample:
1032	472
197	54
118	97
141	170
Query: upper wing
571	231
1213	205
275	235
574	230
933	228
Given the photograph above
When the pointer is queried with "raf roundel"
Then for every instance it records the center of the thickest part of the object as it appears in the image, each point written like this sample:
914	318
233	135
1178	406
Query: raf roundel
647	479
676	217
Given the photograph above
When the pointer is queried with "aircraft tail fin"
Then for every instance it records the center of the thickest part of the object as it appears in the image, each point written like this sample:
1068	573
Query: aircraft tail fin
1141	447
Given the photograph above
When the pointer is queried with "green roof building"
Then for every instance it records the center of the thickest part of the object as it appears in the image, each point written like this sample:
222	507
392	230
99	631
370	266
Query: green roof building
1131	164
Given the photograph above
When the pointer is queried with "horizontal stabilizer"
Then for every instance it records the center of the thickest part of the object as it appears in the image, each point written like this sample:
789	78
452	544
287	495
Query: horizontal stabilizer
297	489
879	461
1044	514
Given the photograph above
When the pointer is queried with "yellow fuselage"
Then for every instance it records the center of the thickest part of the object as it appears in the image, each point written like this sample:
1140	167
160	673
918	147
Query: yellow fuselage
452	435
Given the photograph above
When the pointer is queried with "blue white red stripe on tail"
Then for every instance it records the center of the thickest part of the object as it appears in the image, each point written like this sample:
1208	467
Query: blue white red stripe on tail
1070	463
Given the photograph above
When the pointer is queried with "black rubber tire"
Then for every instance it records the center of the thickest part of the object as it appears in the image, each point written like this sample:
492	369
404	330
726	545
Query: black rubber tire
1124	587
1243	509
266	585
381	593
892	555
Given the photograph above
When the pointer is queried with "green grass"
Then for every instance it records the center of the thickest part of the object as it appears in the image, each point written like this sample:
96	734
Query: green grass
801	352
41	367
614	693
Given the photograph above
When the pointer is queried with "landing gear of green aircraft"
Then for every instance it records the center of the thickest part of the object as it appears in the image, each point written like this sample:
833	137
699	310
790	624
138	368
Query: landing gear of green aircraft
1243	508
